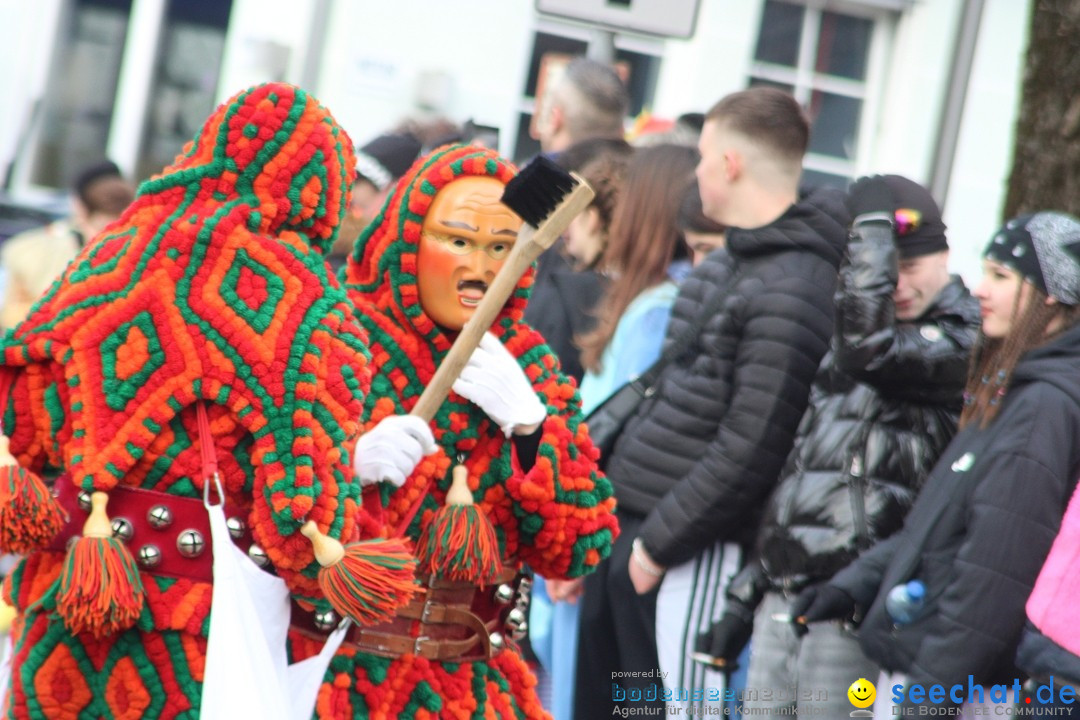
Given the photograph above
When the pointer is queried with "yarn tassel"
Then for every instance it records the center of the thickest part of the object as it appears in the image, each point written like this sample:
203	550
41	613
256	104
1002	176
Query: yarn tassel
101	592
29	515
367	580
460	543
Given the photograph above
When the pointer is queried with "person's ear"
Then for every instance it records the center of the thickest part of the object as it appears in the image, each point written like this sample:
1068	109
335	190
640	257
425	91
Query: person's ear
733	164
1050	301
556	119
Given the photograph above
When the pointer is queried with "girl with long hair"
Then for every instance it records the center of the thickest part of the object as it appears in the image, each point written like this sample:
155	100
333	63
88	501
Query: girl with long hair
644	243
985	519
636	252
552	622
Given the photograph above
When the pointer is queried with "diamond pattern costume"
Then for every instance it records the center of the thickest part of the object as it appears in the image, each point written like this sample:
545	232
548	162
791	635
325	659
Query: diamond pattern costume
211	287
556	517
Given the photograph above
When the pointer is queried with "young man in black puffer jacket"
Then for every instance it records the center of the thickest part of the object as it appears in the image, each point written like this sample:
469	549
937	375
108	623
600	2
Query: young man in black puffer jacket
884	405
694	466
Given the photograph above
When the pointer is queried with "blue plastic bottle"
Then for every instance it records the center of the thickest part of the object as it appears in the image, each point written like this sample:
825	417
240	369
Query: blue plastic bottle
906	601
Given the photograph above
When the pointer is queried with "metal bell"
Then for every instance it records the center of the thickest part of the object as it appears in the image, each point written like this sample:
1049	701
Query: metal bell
326	620
190	543
236	527
515	619
258	556
122	529
159	517
497	641
520	632
525	585
504	594
149	556
84	500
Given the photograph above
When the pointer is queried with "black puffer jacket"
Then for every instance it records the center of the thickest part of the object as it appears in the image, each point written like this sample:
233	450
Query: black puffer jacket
705	450
883	407
979	531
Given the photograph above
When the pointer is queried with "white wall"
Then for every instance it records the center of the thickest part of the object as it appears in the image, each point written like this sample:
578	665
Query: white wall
472	53
266	41
984	151
695	73
24	64
913	90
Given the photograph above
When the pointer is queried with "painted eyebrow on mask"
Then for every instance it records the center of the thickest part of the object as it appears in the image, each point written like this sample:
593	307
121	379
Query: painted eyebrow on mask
458	225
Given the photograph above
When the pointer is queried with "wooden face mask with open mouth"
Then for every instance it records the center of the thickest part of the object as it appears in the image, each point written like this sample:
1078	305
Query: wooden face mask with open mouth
467	235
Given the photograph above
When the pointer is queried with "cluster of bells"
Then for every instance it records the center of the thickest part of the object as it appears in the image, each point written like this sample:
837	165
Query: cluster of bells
515	619
189	543
503	594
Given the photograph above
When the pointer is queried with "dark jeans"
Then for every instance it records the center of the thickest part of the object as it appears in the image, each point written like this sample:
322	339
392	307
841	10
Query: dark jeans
617	638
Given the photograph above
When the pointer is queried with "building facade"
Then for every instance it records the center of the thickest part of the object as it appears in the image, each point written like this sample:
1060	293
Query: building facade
924	88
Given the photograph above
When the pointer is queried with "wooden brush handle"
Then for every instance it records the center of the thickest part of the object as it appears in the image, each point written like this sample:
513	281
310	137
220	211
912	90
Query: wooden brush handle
530	243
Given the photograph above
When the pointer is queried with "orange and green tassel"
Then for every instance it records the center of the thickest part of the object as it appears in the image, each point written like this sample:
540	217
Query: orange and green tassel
29	514
460	543
101	592
367	580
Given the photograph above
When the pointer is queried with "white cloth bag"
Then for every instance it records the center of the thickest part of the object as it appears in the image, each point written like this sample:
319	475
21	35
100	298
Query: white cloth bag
247	672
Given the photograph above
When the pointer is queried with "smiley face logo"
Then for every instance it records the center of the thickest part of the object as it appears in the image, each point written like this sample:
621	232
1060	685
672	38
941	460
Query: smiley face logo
862	693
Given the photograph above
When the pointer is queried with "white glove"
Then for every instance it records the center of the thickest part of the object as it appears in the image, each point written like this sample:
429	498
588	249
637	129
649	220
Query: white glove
493	380
391	450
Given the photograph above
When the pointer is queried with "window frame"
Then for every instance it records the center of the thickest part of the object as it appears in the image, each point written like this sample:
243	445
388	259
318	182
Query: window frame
805	80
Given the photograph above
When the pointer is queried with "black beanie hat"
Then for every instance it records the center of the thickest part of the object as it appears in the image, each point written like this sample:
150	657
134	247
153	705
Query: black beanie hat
386	158
919	229
1044	249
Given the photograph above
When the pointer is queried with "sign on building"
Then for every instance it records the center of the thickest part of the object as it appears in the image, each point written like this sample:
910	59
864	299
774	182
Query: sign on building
667	18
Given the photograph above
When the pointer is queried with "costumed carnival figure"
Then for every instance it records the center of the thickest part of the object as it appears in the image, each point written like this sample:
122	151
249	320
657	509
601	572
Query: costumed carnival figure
211	291
512	427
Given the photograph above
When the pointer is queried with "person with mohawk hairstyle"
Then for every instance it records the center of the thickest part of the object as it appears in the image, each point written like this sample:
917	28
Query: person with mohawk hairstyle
512	427
200	328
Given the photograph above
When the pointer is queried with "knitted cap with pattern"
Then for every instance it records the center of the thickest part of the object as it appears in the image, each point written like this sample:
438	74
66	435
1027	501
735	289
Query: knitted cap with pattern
1044	248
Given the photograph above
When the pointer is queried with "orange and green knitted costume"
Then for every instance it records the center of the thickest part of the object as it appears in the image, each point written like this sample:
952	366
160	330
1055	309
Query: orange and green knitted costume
557	517
212	287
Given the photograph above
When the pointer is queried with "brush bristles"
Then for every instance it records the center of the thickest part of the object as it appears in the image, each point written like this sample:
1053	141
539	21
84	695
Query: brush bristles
537	190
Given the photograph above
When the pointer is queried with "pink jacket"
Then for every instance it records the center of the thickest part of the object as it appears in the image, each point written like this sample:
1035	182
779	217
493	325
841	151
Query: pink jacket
1052	606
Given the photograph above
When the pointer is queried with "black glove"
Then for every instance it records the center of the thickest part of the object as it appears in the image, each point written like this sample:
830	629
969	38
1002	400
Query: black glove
820	602
726	638
870	194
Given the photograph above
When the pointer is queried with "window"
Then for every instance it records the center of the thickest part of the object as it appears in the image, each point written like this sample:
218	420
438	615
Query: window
637	56
820	52
185	80
78	109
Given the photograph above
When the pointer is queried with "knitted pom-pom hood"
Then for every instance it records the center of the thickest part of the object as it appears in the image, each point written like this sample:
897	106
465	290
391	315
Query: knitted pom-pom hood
382	269
211	287
272	157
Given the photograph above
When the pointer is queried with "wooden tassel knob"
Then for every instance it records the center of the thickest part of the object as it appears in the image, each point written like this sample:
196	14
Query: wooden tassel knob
98	524
328	551
459	493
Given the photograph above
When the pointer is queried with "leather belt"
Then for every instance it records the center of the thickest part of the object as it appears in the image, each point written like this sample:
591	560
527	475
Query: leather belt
167	534
448	620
